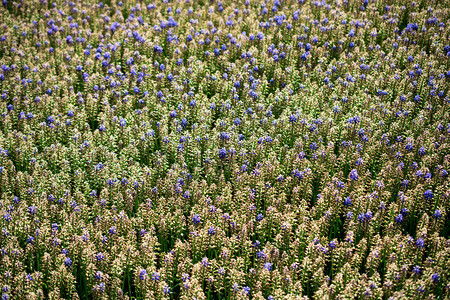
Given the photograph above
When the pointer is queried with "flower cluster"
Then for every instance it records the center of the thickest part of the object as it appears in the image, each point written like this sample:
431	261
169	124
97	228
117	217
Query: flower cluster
248	149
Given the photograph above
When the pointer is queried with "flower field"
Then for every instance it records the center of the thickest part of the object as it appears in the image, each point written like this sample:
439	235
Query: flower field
205	149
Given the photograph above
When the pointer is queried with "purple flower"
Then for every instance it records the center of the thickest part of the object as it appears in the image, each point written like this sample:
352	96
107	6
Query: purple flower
223	153
268	266
399	219
428	194
32	210
143	275
112	230
166	290
361	217
422	151
420	243
196	219
354	175
68	262
246	290
186	195
156	277
100	257
211	231
437	214
347	201
260	254
205	262
7	217
435	277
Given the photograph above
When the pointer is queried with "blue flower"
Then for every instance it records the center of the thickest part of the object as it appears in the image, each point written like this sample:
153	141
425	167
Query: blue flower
32	210
143	274
156	277
420	243
166	290
7	217
211	231
246	290
222	153
100	256
422	151
68	262
347	201
354	175
260	254
437	214
428	194
361	217
196	219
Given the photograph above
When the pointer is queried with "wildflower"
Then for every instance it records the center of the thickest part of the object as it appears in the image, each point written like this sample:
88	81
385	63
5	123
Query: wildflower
205	262
260	255
32	210
100	257
166	290
68	262
437	214
347	201
354	175
7	217
235	287
428	194
222	153
143	275
196	219
420	243
422	151
332	244
156	277
246	290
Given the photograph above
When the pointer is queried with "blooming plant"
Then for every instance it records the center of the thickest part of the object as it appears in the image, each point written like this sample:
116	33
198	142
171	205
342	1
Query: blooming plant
206	149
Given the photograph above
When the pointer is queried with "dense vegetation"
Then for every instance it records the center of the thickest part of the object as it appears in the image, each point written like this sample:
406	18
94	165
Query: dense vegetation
225	149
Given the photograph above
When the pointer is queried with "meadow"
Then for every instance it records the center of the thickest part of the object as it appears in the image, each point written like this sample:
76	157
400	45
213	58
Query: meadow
204	149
